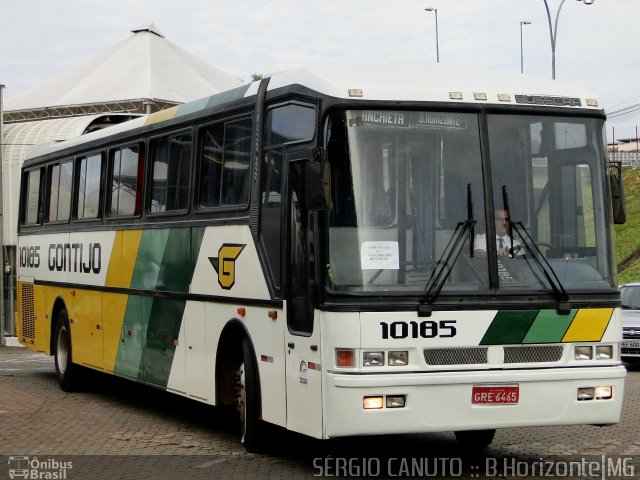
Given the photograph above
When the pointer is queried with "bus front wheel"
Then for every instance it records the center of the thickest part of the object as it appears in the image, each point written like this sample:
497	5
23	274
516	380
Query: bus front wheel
248	399
475	439
67	372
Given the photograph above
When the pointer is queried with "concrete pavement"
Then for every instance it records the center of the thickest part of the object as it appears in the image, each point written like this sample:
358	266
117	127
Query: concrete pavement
118	429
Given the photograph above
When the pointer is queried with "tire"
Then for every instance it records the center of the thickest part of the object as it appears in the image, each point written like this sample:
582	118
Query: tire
248	400
68	372
475	439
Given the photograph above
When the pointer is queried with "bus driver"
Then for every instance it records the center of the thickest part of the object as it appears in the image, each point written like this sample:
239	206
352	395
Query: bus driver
504	243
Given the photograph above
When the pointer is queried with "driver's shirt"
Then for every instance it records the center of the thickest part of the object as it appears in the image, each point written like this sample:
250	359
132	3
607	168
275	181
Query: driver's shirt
480	243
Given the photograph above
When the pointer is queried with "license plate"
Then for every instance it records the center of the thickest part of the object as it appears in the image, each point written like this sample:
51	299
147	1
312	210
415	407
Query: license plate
495	394
630	344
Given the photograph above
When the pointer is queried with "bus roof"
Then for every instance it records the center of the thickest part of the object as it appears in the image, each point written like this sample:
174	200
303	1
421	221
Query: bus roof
384	82
434	83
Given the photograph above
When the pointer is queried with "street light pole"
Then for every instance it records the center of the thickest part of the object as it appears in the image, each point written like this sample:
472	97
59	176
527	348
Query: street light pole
524	22
2	316
553	32
435	10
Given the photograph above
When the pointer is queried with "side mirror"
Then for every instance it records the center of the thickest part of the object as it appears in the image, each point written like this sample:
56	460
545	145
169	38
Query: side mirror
318	184
617	193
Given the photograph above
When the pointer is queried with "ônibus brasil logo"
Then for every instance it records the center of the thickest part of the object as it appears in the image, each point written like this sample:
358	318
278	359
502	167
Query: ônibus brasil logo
34	468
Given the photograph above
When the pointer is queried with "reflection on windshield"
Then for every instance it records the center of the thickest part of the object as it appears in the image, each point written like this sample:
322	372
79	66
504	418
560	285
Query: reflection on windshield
630	296
399	191
399	186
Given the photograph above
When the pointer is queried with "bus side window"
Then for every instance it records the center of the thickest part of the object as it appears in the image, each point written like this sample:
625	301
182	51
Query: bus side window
33	205
211	159
272	164
60	183
170	172
127	167
237	160
89	182
225	160
285	124
289	123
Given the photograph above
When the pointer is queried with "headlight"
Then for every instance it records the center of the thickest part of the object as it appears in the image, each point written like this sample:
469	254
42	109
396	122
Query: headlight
396	401
583	352
373	403
604	393
586	393
373	359
604	352
398	359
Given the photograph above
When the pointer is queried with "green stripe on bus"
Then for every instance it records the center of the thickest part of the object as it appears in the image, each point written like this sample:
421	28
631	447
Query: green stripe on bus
228	96
149	259
177	264
549	327
166	261
509	327
162	337
197	234
133	336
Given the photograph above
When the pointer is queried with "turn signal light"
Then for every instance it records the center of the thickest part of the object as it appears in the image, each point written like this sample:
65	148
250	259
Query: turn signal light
345	357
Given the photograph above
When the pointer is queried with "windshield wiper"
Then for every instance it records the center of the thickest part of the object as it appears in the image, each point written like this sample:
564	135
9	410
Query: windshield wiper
550	274
559	292
451	253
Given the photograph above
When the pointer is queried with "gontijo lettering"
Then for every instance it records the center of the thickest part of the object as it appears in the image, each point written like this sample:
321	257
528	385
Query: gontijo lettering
75	257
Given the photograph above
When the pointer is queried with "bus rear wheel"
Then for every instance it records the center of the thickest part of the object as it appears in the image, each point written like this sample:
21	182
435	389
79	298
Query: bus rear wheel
475	439
248	399
68	372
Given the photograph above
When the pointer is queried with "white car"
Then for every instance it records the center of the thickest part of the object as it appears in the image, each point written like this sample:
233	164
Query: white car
630	320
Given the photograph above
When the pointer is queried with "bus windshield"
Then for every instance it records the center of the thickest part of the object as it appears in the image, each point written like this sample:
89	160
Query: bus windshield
403	182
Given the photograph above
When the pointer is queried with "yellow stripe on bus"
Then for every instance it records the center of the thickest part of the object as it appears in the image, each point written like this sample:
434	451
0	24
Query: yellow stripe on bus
119	274
114	306
588	325
130	245
123	258
114	272
162	115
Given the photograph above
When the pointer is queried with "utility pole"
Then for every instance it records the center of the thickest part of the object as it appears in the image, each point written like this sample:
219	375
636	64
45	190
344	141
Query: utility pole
524	22
553	32
435	10
2	316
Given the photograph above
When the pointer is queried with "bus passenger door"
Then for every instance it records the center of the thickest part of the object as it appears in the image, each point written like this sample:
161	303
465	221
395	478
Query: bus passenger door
302	337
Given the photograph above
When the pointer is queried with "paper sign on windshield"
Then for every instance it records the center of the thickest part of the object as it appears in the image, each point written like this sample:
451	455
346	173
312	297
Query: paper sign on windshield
379	256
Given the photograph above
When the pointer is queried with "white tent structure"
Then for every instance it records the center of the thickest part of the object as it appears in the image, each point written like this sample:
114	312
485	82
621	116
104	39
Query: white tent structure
145	72
141	75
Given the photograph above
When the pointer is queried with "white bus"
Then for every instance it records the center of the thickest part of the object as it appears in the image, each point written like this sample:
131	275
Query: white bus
309	248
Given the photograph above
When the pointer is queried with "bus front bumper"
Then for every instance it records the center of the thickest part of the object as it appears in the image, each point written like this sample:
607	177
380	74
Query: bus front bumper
442	401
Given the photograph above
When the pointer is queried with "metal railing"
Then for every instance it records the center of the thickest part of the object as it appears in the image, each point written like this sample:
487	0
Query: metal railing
627	159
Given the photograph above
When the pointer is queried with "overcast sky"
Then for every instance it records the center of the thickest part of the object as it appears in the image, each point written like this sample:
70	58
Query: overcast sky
597	45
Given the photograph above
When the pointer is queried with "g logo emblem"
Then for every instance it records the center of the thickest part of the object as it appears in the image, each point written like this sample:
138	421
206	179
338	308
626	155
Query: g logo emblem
225	264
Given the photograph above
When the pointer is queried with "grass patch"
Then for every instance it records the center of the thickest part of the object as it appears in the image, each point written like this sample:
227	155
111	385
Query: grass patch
628	235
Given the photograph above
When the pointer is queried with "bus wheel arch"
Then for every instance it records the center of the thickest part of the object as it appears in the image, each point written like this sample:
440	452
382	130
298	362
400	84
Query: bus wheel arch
238	382
68	373
58	306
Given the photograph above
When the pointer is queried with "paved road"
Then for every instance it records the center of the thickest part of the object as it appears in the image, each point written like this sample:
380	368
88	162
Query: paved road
118	429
